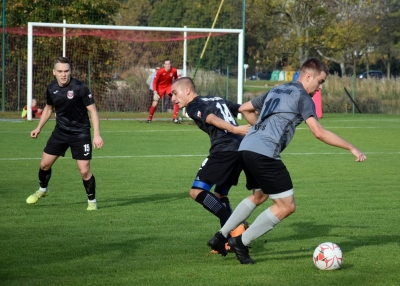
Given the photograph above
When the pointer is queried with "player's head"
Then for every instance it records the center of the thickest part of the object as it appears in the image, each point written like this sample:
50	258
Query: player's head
183	91
313	73
167	64
34	102
62	70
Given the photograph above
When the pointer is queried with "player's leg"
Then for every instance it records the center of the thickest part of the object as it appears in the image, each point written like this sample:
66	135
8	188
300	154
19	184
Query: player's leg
265	222
247	205
272	177
55	147
200	192
243	211
89	183
82	152
222	194
153	107
44	178
281	208
175	118
214	170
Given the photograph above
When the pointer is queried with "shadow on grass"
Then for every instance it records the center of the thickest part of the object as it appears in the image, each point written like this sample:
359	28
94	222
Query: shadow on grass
105	202
119	202
83	256
309	231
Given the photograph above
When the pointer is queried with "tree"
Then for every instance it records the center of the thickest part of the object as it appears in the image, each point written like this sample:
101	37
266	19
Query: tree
20	12
292	27
221	51
345	39
134	13
387	37
101	12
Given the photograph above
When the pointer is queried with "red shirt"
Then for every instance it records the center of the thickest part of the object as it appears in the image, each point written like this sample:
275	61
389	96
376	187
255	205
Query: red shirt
163	80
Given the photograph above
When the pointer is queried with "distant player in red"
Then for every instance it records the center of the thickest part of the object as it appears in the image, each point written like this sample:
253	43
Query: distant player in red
162	86
36	112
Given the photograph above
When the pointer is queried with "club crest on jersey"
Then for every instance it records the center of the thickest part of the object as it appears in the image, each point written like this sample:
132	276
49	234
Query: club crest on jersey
171	74
70	94
199	114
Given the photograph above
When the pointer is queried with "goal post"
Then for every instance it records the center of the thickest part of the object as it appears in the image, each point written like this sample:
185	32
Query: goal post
185	30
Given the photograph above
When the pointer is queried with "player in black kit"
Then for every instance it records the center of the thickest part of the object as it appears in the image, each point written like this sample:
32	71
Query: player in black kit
216	117
71	99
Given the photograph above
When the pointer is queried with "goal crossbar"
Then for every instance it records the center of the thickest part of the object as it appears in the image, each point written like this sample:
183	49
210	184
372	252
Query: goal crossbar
131	28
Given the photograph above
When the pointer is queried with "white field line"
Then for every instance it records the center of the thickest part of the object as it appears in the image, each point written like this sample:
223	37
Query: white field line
196	130
108	131
205	155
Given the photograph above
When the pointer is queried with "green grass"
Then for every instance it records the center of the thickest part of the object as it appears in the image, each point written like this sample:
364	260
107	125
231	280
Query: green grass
148	231
257	87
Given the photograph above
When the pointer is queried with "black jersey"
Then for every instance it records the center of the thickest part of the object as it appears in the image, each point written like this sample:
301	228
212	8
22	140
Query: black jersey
70	103
221	140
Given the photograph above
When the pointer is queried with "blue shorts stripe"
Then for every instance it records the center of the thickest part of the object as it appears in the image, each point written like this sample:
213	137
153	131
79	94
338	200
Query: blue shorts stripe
202	185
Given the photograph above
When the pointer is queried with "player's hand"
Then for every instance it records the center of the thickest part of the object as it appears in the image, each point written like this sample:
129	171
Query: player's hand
35	133
242	129
360	157
98	142
156	97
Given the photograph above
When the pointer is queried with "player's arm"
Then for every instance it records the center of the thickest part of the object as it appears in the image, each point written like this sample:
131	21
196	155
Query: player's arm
331	138
249	112
46	113
155	81
222	124
97	140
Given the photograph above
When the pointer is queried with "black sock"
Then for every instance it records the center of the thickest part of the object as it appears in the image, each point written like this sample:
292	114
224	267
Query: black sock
90	187
213	205
44	177
225	202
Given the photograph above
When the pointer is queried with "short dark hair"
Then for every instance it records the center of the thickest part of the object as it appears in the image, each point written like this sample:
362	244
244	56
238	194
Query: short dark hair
187	81
314	64
63	60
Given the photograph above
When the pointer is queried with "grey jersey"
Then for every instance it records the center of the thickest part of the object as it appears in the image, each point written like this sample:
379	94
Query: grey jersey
281	110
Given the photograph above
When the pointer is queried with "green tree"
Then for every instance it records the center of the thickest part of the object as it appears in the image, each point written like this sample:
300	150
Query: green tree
99	12
286	29
20	12
345	39
134	13
388	37
221	51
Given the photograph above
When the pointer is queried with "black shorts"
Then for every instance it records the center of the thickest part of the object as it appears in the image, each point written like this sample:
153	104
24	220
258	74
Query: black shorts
81	148
267	174
221	169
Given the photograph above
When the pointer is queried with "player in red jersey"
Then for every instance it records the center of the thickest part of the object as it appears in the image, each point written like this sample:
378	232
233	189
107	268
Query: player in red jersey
162	86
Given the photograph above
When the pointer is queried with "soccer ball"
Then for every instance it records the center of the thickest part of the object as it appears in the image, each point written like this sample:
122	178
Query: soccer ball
328	256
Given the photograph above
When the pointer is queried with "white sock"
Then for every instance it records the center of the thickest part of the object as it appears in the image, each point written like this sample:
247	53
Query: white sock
43	189
92	201
263	223
240	214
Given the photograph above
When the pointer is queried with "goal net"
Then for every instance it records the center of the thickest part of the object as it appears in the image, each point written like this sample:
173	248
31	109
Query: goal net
116	61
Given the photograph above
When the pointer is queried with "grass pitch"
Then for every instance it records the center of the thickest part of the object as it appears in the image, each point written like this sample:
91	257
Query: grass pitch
148	231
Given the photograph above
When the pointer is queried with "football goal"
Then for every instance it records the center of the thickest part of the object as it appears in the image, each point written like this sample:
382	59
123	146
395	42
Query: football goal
115	61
